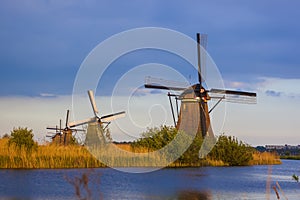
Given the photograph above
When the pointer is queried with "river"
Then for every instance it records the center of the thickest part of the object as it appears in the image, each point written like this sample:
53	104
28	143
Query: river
182	183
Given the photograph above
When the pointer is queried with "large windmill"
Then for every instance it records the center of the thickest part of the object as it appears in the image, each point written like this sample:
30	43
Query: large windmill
194	111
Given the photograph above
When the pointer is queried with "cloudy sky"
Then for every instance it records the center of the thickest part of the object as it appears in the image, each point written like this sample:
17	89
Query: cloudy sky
254	44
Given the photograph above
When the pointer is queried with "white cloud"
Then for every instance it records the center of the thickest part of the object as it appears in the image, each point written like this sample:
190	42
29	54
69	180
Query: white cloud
273	120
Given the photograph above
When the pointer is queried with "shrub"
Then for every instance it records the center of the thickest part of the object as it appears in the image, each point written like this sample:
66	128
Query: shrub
231	151
22	138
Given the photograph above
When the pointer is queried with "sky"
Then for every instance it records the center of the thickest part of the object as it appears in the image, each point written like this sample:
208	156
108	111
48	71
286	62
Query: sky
254	45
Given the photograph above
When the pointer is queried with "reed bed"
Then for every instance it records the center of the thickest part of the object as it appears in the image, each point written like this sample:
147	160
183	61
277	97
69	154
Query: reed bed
265	158
113	155
46	156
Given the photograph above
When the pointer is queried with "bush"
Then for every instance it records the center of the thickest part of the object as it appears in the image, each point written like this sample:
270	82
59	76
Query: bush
155	138
22	138
231	151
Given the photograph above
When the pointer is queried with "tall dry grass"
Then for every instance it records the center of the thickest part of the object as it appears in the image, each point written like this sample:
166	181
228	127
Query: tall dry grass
75	156
46	156
265	158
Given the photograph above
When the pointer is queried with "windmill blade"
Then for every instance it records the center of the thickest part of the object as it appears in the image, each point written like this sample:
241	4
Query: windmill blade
111	117
81	122
67	118
60	124
234	96
201	54
76	129
56	129
158	83
93	102
233	92
50	136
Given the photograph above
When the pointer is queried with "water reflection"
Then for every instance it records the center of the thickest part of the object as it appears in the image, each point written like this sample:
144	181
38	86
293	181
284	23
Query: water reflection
194	195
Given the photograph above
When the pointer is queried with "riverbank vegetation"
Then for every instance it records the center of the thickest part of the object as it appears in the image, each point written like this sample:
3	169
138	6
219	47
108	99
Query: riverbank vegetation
20	151
46	156
228	150
291	157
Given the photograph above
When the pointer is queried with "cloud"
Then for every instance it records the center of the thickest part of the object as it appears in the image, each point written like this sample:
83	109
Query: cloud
239	85
145	91
273	93
279	87
48	95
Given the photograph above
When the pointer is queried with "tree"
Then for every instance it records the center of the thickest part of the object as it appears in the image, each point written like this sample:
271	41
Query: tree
155	138
22	138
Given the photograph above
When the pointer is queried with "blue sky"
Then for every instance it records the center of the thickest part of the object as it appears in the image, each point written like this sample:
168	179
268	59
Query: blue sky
254	44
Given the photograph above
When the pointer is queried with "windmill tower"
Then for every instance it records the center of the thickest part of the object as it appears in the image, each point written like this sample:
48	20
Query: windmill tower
194	110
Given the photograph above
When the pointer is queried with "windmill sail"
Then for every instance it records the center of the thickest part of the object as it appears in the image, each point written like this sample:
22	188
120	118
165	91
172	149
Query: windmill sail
234	96
111	117
82	122
93	102
159	83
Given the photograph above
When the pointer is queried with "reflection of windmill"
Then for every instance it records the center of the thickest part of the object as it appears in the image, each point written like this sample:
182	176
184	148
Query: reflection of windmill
96	120
194	112
63	135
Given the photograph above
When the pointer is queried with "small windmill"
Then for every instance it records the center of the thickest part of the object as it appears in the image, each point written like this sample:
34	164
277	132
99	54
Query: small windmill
96	120
194	112
62	135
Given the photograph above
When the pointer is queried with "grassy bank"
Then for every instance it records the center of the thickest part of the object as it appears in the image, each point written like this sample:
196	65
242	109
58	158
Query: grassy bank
46	156
75	156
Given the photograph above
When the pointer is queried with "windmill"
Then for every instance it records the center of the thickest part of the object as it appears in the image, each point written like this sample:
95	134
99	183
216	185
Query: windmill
62	135
194	111
96	120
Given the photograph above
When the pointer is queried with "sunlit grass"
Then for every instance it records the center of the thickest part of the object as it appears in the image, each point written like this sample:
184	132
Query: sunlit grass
75	156
265	158
46	156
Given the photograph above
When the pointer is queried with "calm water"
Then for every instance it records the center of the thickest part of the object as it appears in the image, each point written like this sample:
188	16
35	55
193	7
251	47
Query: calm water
187	183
